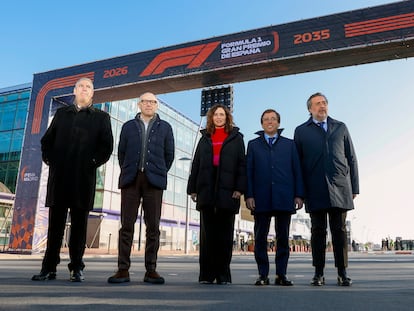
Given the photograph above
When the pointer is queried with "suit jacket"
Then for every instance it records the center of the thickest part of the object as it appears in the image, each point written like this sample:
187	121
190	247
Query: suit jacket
274	176
74	146
329	165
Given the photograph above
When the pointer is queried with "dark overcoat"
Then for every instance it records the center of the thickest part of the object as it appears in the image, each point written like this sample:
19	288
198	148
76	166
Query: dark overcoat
329	165
216	190
274	176
74	146
160	152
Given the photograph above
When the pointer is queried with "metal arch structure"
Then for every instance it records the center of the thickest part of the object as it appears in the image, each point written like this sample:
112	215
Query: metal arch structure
356	37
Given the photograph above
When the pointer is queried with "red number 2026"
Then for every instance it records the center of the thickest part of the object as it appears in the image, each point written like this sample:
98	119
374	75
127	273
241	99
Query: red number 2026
115	72
312	36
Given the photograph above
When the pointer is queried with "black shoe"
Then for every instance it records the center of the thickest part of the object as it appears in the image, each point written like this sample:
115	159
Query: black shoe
318	280
283	281
262	280
77	276
205	282
223	279
344	281
44	275
153	277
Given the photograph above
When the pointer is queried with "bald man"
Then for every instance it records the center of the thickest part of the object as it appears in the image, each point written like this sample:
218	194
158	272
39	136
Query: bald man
145	154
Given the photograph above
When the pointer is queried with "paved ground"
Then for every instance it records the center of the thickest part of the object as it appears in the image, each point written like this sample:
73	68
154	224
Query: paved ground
382	281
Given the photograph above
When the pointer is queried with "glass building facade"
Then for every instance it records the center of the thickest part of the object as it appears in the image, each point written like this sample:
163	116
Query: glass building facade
13	111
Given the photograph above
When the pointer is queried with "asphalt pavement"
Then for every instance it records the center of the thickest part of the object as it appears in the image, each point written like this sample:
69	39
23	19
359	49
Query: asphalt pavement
381	281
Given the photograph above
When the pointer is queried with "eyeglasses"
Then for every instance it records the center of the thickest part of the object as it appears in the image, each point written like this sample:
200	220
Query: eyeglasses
148	102
269	119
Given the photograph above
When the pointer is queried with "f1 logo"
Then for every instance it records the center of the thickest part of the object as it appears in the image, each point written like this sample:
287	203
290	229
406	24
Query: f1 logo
193	56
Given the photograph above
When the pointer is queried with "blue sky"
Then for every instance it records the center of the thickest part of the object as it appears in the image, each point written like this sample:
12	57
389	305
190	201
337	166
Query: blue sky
374	100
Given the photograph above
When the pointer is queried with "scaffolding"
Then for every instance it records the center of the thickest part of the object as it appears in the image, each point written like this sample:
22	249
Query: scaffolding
6	212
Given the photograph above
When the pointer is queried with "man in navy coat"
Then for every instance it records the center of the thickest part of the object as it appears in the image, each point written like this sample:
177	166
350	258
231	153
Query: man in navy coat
330	173
145	154
274	188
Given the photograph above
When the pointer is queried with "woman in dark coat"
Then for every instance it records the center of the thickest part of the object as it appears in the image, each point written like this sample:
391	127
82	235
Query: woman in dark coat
77	142
216	182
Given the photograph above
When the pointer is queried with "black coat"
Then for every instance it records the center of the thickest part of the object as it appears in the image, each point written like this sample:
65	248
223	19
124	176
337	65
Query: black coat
215	190
74	146
329	165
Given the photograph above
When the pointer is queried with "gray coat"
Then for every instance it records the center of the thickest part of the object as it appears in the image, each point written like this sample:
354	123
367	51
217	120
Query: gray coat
329	165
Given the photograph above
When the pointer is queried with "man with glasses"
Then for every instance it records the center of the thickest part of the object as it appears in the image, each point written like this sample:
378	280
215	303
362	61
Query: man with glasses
145	154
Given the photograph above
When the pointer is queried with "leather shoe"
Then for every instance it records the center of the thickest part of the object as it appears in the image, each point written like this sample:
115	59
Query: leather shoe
205	282
121	276
223	280
77	276
153	277
283	281
318	280
44	275
262	280
344	281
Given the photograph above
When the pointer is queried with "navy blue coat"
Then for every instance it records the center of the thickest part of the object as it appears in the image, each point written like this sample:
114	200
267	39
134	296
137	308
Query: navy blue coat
329	165
160	152
274	176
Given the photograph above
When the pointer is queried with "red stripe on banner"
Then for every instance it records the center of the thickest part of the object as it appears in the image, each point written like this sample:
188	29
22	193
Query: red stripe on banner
379	25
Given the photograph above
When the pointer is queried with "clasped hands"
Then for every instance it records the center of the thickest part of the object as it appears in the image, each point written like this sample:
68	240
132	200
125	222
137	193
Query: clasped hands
235	195
251	205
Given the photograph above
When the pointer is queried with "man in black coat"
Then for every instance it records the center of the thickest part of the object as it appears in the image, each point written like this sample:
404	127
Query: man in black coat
330	173
77	142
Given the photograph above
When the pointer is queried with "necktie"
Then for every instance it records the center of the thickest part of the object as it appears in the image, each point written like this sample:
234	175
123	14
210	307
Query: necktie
271	139
322	125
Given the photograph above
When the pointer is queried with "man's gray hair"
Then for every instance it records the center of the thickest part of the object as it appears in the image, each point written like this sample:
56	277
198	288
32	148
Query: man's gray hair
309	103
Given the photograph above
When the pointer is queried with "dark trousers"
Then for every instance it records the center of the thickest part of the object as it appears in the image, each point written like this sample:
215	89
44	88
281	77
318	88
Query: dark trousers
216	245
151	204
337	224
261	231
77	238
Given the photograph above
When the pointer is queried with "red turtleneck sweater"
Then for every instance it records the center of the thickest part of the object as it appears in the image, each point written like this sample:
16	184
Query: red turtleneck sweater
218	138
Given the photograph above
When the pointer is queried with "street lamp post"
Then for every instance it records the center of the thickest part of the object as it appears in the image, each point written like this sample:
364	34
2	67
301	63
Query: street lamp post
187	227
187	215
